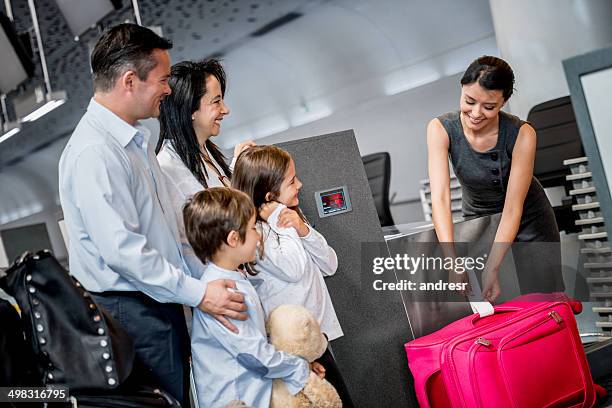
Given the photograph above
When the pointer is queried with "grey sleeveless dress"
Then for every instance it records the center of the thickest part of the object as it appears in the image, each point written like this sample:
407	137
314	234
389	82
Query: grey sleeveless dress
484	180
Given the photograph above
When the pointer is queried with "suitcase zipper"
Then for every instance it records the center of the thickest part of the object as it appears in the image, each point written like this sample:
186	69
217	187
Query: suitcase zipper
513	335
552	315
481	341
556	316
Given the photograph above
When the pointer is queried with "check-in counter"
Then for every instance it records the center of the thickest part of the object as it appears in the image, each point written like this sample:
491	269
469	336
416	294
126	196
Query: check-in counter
419	240
370	354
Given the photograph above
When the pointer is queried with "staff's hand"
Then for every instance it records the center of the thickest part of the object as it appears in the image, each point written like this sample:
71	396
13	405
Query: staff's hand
289	218
222	303
490	283
461	278
242	146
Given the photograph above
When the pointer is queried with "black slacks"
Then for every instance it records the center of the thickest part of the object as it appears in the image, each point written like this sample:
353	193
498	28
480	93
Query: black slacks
333	375
160	339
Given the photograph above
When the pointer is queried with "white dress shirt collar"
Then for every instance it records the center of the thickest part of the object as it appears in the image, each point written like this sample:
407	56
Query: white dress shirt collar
118	128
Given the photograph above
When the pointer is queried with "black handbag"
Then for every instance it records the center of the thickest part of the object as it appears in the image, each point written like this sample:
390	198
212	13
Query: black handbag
145	397
75	343
17	368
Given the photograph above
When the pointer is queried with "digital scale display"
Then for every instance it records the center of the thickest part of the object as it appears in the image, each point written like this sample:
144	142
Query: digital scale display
333	201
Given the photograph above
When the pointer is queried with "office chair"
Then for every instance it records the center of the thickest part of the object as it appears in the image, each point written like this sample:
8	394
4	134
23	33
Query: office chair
378	170
558	139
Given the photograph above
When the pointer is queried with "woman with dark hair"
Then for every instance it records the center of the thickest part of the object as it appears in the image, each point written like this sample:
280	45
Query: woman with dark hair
493	153
189	117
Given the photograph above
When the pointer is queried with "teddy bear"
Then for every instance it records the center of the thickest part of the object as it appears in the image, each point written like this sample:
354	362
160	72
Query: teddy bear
293	329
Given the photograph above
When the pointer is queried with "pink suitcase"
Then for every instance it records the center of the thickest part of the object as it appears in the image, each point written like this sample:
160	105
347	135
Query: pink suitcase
528	354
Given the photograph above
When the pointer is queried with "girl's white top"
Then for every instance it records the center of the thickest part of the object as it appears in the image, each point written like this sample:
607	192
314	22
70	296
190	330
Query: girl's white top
292	272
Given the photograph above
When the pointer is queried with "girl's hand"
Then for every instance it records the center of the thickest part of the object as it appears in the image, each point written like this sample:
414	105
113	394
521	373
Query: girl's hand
289	218
318	369
266	210
240	147
490	283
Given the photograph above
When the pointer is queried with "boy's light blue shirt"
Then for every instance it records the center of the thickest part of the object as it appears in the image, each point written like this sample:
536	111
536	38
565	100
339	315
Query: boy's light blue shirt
122	231
230	366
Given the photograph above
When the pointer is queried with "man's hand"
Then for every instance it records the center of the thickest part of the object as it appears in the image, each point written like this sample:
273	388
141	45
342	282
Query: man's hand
222	303
289	218
318	369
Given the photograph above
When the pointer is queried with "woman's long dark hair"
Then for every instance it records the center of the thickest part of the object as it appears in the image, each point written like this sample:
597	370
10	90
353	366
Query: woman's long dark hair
491	73
188	84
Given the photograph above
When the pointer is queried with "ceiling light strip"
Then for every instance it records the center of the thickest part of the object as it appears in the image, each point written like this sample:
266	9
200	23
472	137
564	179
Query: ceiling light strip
10	133
43	110
39	42
136	12
9	9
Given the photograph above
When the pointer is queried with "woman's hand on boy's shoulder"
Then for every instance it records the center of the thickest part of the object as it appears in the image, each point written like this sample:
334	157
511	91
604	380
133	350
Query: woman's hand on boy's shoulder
221	303
289	218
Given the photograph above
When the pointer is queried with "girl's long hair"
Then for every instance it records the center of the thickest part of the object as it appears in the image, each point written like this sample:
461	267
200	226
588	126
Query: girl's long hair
188	84
260	170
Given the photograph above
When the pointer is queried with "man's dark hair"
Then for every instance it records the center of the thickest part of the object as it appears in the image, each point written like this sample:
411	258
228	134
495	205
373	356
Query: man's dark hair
124	47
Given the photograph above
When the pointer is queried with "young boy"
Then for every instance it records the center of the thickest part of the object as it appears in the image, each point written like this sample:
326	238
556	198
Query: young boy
220	226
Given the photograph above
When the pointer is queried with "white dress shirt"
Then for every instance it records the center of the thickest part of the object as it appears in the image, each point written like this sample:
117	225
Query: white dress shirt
182	184
292	270
239	366
123	231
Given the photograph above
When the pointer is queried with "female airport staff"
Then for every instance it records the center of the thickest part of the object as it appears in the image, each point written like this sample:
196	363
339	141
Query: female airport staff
493	154
189	117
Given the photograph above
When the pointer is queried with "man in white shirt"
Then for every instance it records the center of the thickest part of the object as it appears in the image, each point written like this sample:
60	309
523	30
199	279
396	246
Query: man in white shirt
124	245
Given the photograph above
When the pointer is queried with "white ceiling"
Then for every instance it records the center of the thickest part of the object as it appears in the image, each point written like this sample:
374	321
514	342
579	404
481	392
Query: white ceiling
347	50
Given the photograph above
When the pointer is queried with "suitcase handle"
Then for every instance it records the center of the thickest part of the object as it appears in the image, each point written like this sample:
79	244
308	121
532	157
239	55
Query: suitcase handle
497	310
575	305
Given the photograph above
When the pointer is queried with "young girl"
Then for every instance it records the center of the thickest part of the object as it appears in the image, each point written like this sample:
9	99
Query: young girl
295	256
